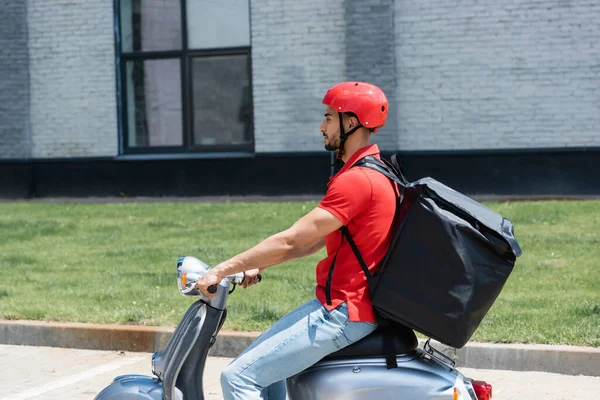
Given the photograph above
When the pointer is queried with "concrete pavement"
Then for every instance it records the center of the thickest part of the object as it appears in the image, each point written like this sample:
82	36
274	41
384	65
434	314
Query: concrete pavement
46	373
51	373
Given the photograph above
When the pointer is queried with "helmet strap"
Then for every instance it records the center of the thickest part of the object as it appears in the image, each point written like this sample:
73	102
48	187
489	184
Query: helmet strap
344	136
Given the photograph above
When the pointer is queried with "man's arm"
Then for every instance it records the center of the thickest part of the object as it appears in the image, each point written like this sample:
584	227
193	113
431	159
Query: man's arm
251	277
308	250
305	237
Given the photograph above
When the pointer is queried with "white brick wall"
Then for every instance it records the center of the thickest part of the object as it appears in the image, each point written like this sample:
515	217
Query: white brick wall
484	74
298	52
14	81
72	78
472	74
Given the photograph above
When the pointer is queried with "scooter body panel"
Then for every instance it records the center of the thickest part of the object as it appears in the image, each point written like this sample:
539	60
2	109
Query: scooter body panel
417	377
162	359
133	387
179	368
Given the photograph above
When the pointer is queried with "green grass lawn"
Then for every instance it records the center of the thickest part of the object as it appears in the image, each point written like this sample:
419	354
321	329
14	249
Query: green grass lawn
115	263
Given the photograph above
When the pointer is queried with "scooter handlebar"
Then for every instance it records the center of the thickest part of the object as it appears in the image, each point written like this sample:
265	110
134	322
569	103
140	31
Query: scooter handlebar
212	289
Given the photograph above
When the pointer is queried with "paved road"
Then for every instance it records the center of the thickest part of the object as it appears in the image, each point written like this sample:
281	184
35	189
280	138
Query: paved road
46	373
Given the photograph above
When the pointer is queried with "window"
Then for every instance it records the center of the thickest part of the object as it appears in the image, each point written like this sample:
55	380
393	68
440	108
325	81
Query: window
185	76
153	103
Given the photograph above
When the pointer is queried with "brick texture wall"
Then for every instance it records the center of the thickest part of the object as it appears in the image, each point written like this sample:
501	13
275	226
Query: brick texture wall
300	49
298	52
466	74
14	81
485	74
472	74
72	78
370	55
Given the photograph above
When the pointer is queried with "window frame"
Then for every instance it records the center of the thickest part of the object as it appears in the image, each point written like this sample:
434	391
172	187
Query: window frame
185	56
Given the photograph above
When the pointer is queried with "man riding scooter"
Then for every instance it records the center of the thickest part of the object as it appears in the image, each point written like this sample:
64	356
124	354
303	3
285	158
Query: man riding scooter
360	199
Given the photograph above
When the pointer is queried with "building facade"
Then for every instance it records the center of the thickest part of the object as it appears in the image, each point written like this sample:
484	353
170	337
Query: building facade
209	97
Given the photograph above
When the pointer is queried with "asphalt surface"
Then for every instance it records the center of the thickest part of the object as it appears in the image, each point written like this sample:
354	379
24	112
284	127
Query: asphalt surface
50	373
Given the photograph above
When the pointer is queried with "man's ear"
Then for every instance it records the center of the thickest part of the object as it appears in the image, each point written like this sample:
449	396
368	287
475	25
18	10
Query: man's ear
352	122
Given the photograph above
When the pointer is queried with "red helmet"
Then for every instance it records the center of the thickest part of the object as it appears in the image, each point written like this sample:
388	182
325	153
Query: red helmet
365	100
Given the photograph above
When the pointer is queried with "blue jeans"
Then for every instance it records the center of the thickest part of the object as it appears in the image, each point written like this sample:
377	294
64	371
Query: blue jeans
292	344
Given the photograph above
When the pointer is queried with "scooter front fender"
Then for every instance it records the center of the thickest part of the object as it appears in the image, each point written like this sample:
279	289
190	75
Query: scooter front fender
138	387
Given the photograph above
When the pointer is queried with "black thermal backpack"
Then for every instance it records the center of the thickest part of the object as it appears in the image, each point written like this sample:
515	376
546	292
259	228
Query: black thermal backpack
449	259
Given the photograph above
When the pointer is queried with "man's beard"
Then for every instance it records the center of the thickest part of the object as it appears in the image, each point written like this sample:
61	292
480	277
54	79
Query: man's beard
332	145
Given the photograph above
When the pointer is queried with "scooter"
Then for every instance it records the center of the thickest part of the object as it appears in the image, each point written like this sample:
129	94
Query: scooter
357	372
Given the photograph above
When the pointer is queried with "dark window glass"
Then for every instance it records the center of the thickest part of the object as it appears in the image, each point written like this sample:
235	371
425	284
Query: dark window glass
150	25
222	100
153	99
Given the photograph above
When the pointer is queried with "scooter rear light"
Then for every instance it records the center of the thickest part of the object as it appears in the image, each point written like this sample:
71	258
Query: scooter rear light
483	390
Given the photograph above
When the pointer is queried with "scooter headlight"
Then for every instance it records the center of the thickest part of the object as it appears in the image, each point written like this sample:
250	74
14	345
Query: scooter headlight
189	270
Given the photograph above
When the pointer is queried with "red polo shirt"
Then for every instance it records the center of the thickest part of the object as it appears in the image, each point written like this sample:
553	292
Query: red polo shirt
364	200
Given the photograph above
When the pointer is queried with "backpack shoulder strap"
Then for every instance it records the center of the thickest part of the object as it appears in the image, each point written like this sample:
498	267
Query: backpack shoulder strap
396	166
386	169
361	260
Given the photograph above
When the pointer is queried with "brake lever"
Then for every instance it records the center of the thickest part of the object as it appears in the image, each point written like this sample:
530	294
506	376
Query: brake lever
259	276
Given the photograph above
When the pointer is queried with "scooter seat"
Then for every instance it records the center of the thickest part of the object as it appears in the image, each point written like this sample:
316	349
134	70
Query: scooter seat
404	341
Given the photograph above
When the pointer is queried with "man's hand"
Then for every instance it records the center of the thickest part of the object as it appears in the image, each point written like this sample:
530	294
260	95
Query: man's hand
250	277
208	279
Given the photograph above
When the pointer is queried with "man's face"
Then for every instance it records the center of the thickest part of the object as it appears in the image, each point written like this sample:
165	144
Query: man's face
330	128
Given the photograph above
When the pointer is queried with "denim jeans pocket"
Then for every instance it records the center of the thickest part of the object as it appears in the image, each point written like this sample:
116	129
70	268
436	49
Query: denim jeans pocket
358	330
339	314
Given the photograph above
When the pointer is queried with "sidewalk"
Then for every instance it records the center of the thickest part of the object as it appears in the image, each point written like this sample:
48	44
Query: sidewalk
73	374
568	360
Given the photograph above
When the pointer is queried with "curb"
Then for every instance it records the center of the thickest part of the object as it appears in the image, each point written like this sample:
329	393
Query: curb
566	360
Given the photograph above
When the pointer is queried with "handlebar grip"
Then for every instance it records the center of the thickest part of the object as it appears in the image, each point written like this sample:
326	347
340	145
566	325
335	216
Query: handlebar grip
259	276
212	289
